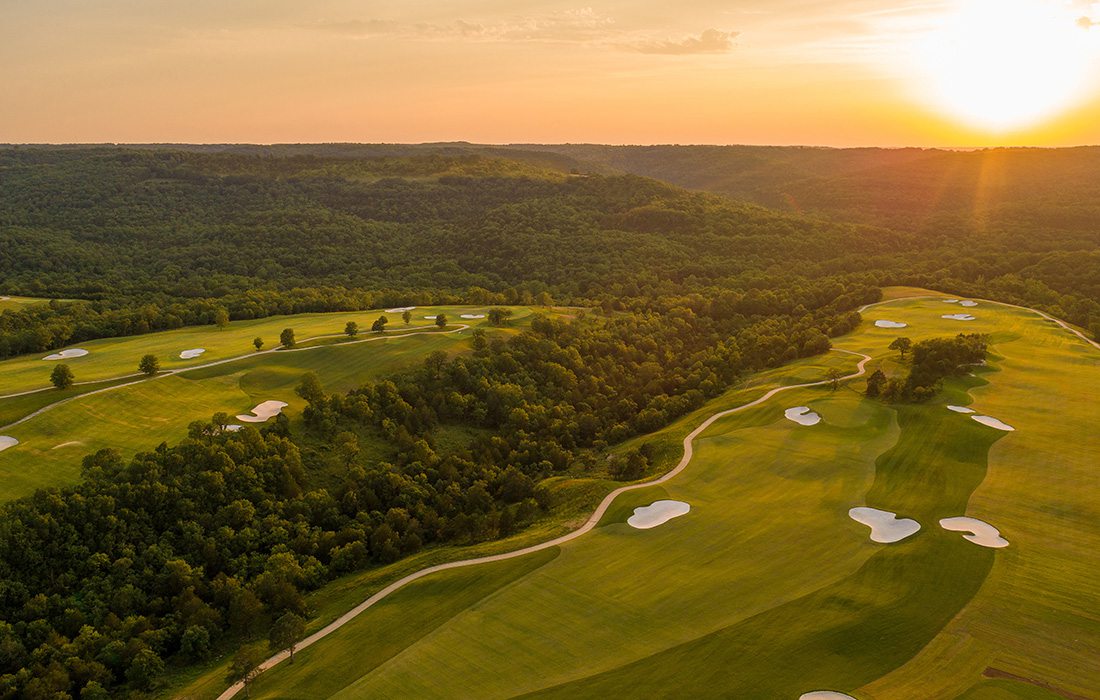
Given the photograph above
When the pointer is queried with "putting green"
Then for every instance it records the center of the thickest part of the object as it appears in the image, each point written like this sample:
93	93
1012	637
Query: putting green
140	415
766	588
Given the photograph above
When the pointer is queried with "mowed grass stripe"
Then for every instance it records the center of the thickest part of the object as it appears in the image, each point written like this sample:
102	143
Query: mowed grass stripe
619	593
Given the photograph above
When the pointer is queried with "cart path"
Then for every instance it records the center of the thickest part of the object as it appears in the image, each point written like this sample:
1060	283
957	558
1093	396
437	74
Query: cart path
588	526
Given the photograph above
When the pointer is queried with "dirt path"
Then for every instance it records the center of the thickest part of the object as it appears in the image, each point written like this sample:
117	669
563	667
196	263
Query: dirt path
168	373
588	526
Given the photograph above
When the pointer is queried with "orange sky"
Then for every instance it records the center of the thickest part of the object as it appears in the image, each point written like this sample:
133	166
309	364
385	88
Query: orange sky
648	71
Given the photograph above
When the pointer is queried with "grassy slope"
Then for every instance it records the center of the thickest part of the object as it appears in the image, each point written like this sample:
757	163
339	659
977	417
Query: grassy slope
10	303
731	594
113	357
138	417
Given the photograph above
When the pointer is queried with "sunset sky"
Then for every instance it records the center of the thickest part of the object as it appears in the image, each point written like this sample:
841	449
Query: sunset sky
823	72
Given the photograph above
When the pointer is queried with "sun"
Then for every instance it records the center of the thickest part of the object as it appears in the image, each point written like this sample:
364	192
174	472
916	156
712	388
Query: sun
1003	65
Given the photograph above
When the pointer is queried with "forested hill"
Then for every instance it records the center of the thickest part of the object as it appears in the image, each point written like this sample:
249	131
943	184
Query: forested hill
161	238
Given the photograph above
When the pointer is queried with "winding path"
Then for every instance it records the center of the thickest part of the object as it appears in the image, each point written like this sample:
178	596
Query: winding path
588	526
1037	312
168	373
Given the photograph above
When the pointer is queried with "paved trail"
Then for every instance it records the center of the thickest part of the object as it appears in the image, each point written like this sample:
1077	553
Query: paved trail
591	523
168	373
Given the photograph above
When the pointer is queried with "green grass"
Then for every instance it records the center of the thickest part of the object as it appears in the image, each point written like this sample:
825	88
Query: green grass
114	357
10	303
140	416
766	588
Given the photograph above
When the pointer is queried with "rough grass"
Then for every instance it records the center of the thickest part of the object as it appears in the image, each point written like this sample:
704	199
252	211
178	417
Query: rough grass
767	589
139	417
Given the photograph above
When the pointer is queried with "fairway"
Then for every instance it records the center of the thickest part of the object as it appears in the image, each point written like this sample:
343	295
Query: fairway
766	588
140	413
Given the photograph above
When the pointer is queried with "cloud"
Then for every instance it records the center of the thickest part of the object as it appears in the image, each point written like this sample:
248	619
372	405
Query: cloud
710	41
574	26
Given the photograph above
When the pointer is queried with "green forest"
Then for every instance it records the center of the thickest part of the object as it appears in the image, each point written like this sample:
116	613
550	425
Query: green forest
150	565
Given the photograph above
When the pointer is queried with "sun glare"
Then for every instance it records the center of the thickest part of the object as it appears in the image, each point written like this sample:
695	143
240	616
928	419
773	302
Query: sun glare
1002	65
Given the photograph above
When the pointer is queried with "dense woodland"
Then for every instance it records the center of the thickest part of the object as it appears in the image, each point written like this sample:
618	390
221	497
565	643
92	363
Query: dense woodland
150	565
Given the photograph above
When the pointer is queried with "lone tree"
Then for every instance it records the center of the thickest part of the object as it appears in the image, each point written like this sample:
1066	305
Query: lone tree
245	668
258	343
286	632
902	345
352	329
310	388
287	338
149	365
407	317
875	384
62	377
221	318
834	379
441	320
379	326
499	316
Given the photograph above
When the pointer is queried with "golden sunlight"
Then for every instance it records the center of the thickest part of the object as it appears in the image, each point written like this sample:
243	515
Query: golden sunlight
1002	65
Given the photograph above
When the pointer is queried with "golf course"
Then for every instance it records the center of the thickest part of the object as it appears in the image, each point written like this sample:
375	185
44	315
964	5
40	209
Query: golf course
942	549
112	405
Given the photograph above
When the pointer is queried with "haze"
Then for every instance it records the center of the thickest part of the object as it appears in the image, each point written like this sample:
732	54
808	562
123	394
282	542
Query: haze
748	71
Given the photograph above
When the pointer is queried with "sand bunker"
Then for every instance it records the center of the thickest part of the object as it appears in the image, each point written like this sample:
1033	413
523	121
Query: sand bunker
431	318
980	531
994	423
657	513
6	442
471	316
890	324
886	527
802	415
968	303
400	309
191	354
263	412
951	301
960	409
959	317
67	354
233	427
824	695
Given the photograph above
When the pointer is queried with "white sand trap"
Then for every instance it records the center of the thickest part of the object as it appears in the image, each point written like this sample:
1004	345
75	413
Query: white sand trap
980	531
472	316
400	309
263	412
191	354
824	695
959	317
960	409
5	298
233	427
67	354
886	527
802	415
951	301
657	513
994	423
432	317
890	324
968	303
6	442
